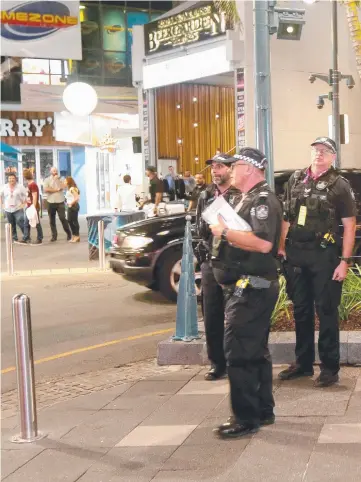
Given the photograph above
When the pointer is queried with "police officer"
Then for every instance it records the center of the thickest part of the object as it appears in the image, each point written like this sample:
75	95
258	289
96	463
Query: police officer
213	307
317	200
247	271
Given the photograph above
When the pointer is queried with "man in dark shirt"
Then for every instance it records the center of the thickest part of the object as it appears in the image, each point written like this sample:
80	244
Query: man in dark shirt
316	201
199	188
245	267
155	187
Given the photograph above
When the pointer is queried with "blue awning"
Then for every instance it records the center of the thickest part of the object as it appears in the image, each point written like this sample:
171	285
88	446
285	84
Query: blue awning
6	149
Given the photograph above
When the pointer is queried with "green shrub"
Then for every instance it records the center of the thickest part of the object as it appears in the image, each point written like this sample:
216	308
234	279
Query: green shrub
283	303
351	294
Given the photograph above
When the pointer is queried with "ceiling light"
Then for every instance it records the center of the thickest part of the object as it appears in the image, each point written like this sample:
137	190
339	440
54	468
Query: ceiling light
217	116
195	124
195	99
196	158
290	29
178	106
179	141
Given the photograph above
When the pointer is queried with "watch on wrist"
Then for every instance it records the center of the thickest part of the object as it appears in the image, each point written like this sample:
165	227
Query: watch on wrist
347	260
224	234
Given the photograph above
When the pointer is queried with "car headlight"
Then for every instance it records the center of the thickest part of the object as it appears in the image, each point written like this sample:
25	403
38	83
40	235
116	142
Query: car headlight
135	242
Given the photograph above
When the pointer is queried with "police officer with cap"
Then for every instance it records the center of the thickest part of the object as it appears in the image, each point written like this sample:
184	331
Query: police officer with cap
247	271
213	306
316	201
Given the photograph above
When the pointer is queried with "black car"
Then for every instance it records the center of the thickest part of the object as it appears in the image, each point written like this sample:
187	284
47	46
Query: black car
149	252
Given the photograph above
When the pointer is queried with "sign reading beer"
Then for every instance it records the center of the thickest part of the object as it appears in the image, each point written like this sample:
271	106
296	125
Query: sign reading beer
191	26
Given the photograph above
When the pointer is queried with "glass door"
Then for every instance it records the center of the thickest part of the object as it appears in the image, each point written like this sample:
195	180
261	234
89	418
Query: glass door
46	162
29	160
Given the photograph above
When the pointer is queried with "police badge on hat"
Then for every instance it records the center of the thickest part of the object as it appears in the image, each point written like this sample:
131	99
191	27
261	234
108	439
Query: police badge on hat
262	212
321	185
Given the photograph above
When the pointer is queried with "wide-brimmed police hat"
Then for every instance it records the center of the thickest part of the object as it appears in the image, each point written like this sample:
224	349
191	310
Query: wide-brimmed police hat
253	156
220	159
326	141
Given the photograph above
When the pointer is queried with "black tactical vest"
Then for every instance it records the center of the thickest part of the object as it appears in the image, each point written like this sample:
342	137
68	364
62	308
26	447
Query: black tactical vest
232	262
317	197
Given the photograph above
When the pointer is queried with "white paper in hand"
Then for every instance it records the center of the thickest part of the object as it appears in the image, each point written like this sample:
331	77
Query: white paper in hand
220	207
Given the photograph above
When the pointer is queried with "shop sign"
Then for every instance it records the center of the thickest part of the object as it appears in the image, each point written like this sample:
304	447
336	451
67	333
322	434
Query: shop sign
240	103
24	127
191	26
145	128
41	29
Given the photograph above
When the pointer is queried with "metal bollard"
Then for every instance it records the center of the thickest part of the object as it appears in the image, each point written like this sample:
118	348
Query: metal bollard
25	371
9	249
101	245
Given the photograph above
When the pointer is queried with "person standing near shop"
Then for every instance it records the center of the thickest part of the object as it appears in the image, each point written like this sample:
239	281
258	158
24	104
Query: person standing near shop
13	199
212	294
72	200
155	188
54	187
197	191
126	195
32	200
245	266
317	201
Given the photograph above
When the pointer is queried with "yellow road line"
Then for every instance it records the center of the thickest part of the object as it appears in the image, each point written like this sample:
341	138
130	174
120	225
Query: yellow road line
92	347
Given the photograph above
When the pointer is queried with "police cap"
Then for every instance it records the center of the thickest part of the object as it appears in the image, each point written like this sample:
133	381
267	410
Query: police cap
220	159
326	141
252	156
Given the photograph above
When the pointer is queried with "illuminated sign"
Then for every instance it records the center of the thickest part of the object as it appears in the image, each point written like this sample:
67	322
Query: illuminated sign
23	127
27	27
185	28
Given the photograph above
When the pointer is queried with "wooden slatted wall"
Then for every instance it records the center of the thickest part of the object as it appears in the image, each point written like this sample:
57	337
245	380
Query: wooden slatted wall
201	141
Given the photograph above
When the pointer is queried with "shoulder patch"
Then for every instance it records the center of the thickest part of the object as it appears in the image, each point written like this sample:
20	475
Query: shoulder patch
262	212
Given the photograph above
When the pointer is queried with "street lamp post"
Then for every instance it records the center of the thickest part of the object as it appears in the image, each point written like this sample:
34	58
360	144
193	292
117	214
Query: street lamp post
263	104
335	81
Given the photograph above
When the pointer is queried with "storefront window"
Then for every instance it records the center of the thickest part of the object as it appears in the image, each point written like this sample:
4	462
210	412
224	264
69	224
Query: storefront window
46	163
43	71
103	180
64	163
90	31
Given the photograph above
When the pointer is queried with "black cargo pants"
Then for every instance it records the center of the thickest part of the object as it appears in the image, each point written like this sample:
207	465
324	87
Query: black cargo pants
310	285
213	314
249	364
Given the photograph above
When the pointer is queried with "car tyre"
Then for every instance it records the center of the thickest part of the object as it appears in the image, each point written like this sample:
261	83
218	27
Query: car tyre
167	262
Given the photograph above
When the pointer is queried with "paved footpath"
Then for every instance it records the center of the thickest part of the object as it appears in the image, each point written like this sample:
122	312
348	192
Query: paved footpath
159	428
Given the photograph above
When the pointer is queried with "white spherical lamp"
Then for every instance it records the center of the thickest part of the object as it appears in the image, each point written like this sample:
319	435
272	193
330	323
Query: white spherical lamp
80	98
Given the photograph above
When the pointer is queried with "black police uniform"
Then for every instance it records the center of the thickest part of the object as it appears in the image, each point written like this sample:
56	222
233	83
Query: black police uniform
212	302
248	311
314	209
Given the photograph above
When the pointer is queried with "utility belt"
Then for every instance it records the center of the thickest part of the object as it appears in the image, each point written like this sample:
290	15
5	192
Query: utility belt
321	240
245	283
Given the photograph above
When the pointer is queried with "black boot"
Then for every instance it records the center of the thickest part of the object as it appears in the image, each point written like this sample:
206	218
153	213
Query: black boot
326	379
295	371
234	429
215	373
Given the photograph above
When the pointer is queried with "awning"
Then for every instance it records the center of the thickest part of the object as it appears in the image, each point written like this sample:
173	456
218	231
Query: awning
6	149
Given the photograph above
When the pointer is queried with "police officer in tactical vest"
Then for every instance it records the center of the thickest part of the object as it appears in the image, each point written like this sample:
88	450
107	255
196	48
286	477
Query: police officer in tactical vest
245	267
213	306
317	201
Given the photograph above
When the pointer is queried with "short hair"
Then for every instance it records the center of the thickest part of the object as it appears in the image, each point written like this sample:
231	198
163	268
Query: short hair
28	175
12	174
127	179
151	169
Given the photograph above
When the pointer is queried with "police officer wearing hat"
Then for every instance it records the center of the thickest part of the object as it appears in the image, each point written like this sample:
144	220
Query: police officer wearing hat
316	201
212	303
247	271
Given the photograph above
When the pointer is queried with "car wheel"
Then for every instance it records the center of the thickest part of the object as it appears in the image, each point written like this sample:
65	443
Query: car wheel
170	271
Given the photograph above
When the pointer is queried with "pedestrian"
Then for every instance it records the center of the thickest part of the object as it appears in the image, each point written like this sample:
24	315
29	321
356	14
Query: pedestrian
72	197
170	179
198	189
246	268
126	195
212	294
189	183
54	187
14	197
32	200
317	201
155	188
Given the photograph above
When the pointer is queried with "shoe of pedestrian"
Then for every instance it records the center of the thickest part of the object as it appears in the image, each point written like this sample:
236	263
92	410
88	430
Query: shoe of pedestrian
71	240
326	379
268	419
69	237
37	242
215	373
235	430
294	371
24	241
53	240
75	239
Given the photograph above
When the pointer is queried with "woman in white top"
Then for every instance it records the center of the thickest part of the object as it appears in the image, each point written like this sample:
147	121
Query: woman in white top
72	197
